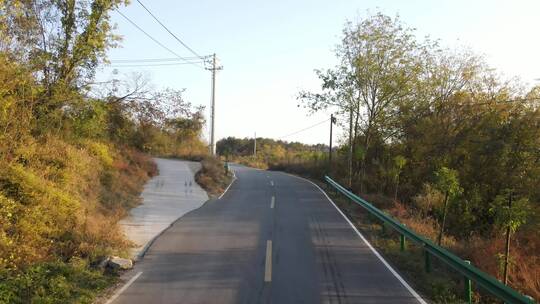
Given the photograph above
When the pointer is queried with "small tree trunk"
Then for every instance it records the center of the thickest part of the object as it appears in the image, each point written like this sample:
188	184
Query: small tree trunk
396	190
507	249
349	165
439	239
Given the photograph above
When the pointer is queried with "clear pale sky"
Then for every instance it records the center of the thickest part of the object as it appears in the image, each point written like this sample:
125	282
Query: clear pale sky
269	50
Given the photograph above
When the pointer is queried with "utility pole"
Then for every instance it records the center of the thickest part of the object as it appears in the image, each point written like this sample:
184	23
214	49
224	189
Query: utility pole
332	121
255	146
214	68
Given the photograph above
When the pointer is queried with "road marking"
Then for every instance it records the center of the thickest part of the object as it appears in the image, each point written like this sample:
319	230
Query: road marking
271	183
400	279
272	202
234	178
268	264
119	292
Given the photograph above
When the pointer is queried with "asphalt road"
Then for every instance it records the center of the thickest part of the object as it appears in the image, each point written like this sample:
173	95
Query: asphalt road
272	238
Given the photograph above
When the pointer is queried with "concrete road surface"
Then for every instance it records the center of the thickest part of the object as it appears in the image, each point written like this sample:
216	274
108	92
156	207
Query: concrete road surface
272	238
165	198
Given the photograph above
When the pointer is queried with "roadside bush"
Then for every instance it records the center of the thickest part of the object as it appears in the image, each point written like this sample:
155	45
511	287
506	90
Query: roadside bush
250	162
53	282
213	177
59	207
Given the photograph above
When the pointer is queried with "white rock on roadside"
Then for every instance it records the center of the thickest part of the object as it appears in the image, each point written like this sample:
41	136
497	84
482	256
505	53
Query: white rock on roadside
120	263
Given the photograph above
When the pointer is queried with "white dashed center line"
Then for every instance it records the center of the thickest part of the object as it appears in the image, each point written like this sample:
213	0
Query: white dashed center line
268	264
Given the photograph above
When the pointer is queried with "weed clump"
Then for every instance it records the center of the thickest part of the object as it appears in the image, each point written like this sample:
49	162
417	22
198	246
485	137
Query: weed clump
213	176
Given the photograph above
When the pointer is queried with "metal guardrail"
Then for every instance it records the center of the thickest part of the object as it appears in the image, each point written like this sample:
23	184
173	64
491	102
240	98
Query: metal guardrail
471	273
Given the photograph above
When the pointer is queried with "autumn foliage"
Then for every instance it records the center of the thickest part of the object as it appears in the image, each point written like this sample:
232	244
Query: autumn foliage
73	157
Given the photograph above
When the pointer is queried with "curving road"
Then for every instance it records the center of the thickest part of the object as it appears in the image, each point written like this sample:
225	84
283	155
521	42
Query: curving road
272	238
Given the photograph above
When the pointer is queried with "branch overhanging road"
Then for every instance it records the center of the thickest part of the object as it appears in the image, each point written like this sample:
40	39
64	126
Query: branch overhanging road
272	238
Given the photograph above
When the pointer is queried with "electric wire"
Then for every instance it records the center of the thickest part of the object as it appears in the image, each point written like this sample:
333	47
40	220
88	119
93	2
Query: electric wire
151	60
155	40
175	37
304	129
151	65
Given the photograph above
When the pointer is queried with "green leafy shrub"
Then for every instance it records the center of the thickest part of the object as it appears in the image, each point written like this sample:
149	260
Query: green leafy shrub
53	282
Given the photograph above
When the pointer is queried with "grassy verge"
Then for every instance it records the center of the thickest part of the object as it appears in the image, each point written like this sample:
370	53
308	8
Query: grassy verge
213	176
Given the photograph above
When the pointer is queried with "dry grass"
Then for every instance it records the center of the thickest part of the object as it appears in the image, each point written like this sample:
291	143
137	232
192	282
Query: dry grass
65	200
524	271
213	176
484	253
59	203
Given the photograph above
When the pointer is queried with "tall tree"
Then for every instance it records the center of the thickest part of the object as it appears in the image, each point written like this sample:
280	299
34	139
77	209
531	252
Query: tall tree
63	41
379	63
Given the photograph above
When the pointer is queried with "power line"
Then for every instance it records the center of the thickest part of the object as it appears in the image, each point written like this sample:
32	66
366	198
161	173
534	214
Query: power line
151	60
304	129
175	37
156	41
151	65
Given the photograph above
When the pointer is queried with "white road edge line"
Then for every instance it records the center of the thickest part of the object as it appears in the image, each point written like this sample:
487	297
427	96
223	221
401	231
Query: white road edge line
272	202
409	288
234	178
119	292
268	264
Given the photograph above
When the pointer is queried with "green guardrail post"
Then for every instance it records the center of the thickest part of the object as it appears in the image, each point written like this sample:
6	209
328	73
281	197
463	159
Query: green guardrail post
402	242
336	192
427	261
383	228
468	287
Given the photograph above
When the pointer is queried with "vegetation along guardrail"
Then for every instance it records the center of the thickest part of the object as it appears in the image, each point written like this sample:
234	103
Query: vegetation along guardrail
471	273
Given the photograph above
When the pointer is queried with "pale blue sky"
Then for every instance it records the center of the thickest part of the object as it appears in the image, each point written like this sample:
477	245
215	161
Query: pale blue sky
269	50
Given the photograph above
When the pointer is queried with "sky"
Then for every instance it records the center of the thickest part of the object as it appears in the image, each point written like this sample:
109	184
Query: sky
270	49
